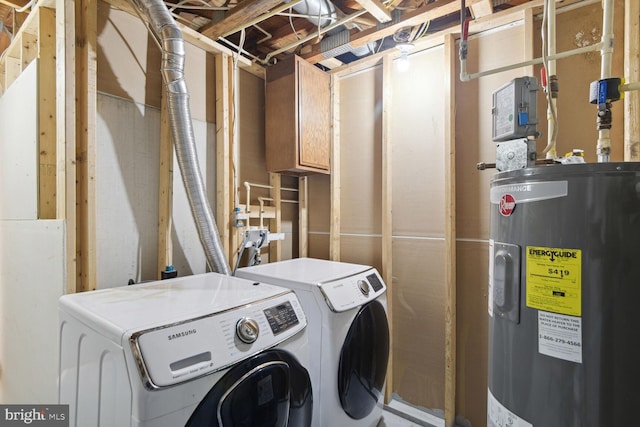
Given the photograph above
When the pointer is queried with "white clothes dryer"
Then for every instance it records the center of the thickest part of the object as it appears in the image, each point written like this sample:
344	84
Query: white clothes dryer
204	350
348	329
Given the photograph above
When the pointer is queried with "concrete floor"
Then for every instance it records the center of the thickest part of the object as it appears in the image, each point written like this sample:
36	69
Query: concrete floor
393	420
400	414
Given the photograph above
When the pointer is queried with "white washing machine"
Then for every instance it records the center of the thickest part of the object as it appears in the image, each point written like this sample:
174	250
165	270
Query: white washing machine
348	329
204	350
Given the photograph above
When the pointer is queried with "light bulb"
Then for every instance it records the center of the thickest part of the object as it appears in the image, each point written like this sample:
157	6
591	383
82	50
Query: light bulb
403	62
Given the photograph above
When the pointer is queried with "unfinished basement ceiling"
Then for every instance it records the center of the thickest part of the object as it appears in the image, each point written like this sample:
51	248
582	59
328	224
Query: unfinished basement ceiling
6	26
328	33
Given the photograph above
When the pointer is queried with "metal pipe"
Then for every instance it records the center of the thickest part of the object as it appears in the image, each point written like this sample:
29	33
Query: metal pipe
25	7
551	36
467	77
305	16
239	49
166	31
628	87
268	187
267	35
464	35
252	184
204	6
603	148
552	110
248	187
261	200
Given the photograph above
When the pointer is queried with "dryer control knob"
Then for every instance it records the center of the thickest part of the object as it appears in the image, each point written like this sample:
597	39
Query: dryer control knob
247	330
364	287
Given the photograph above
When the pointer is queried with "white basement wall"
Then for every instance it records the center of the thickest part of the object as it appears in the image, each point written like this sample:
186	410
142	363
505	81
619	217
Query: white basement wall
31	281
19	147
127	207
128	135
31	256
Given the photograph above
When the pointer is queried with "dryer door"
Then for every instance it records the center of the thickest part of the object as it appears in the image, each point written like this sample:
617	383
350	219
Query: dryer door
270	389
363	361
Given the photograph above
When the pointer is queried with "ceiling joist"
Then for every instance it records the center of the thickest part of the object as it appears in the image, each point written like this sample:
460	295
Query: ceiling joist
377	9
274	29
16	4
245	11
423	14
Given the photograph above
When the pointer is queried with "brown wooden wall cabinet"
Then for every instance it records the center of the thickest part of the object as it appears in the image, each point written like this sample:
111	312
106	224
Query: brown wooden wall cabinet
298	129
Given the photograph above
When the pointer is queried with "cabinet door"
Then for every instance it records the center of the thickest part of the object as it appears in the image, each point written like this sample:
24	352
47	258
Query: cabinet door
314	116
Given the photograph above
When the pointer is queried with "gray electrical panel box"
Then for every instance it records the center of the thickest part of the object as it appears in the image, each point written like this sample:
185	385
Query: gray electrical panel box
515	154
514	110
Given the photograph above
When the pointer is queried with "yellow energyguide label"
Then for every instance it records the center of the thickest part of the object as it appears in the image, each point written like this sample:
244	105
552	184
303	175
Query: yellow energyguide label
554	280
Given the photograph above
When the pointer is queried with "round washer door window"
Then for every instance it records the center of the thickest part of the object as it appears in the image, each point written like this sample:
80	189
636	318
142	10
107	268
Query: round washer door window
270	389
363	361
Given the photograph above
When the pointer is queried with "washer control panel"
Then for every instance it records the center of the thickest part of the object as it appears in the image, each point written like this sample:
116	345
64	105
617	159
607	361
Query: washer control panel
281	317
179	352
353	291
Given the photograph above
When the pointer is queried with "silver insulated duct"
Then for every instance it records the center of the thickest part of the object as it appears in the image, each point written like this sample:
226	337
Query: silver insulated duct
320	12
323	13
169	37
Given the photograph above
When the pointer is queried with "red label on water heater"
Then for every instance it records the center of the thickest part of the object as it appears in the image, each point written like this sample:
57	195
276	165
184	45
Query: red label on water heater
507	204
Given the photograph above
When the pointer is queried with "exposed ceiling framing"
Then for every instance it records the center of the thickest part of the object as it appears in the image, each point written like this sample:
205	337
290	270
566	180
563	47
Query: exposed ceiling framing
326	33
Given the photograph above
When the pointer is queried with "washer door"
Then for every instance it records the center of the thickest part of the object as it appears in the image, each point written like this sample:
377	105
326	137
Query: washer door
363	361
270	389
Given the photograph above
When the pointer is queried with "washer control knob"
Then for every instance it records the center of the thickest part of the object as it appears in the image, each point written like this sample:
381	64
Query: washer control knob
364	287
247	330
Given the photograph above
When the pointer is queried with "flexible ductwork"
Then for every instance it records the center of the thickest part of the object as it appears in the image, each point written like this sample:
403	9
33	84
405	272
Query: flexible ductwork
323	13
320	12
169	37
